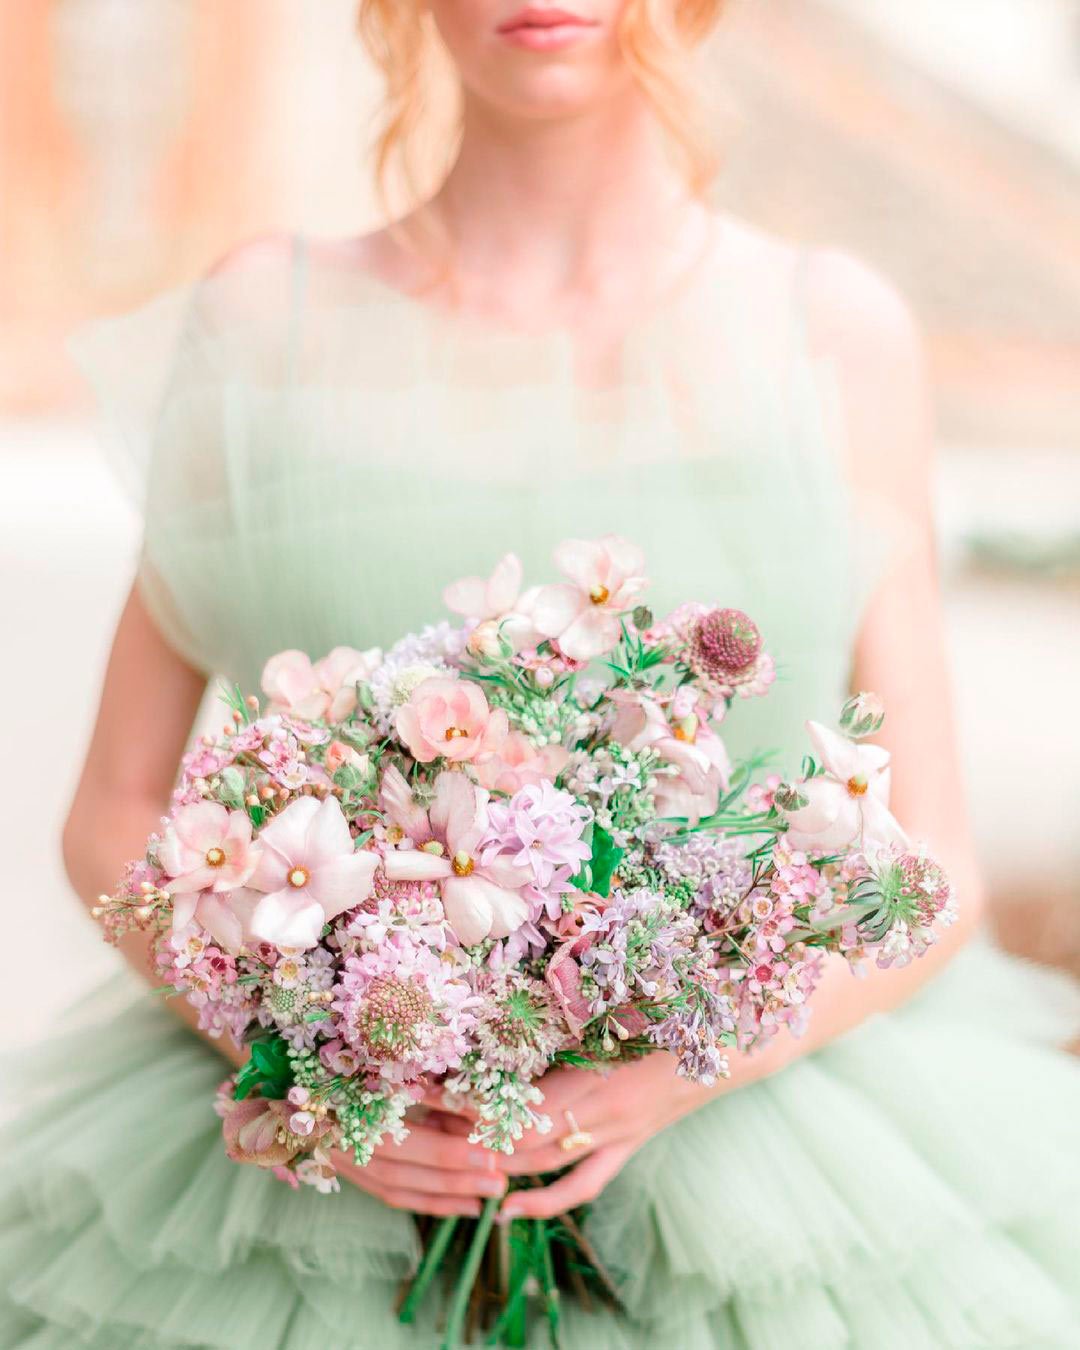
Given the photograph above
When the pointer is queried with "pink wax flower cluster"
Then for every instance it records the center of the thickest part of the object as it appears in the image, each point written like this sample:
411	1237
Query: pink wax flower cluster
505	845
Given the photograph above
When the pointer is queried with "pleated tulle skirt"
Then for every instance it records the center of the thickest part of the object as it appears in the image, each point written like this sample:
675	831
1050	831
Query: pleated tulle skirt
917	1184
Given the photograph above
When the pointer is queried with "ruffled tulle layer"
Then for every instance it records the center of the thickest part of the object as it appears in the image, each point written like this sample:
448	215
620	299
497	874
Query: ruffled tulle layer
915	1185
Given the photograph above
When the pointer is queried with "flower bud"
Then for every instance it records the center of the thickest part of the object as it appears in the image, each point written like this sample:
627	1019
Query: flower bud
862	715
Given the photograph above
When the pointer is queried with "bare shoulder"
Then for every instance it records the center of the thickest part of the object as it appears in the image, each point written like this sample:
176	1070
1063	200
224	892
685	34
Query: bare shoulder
854	308
256	255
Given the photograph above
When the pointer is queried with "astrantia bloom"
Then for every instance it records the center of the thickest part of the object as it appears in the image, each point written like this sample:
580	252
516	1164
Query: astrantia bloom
518	1026
310	872
450	719
606	578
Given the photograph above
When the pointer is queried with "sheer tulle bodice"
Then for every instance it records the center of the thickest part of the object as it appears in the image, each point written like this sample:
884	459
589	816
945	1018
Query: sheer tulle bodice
317	454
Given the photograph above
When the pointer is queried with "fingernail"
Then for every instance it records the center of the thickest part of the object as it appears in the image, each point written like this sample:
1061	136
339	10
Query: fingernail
483	1158
492	1185
509	1211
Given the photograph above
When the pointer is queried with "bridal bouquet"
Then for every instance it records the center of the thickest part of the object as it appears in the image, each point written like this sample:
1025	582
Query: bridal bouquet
457	863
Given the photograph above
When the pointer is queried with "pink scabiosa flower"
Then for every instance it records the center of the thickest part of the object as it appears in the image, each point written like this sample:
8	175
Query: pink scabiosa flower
404	1010
481	899
847	805
606	579
725	651
309	871
321	689
519	763
450	719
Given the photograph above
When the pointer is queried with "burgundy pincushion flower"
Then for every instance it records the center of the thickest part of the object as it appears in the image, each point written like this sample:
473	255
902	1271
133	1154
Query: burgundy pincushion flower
723	643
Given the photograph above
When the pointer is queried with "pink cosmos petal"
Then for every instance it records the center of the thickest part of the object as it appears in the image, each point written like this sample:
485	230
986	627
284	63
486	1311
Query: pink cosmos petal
505	583
509	909
626	558
467	597
584	561
340	883
458	813
468	910
396	799
201	825
328	834
414	864
555	609
183	910
594	633
219	920
286	832
288	918
835	753
879	825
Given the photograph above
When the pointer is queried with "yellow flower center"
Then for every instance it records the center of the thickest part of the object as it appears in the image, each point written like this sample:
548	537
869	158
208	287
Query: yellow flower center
432	846
299	877
599	595
462	864
454	733
857	785
215	857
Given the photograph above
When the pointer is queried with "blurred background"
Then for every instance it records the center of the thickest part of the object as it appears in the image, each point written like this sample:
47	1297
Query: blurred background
939	139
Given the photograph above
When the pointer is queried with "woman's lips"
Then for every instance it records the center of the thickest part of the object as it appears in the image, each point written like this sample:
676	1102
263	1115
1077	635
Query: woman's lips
545	29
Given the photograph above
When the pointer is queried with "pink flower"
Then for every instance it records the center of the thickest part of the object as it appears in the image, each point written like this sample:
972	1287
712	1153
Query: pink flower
500	611
606	579
323	689
450	719
207	847
846	805
310	872
339	754
490	598
520	764
690	746
480	899
563	976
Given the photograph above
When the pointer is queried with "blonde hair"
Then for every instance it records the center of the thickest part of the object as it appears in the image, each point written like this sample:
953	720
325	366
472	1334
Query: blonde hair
657	37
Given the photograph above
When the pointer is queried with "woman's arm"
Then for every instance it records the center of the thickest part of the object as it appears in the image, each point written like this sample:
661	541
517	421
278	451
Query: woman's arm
861	321
148	705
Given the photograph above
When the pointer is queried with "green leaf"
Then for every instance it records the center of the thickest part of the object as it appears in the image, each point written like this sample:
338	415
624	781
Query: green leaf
348	777
606	857
268	1069
231	791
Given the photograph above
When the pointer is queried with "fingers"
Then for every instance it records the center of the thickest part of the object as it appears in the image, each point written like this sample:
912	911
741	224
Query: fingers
423	1202
392	1175
429	1146
578	1187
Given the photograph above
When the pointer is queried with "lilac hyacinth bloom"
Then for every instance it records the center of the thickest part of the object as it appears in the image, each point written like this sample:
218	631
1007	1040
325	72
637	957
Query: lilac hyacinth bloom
540	828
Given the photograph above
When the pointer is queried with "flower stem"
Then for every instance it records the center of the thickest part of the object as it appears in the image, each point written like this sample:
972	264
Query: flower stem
459	1303
429	1265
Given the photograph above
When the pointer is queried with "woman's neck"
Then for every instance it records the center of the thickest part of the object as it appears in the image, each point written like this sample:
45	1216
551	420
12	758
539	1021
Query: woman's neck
552	218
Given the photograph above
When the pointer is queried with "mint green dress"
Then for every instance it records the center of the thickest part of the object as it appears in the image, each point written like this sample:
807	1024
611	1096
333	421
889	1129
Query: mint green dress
316	455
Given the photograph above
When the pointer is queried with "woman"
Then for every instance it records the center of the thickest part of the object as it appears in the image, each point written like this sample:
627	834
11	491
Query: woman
562	341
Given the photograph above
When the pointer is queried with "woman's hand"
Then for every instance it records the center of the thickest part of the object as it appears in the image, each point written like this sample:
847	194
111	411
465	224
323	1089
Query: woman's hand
431	1172
621	1110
